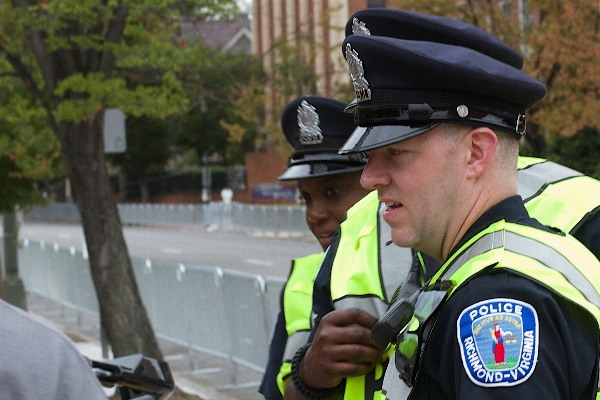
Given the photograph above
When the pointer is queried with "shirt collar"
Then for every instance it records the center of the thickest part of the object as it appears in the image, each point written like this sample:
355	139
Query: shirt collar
510	210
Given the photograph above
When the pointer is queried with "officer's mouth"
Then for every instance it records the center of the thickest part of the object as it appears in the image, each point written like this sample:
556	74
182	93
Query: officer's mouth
392	205
324	238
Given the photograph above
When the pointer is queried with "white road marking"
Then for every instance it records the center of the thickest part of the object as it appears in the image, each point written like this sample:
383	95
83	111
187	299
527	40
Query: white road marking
175	357
170	250
258	262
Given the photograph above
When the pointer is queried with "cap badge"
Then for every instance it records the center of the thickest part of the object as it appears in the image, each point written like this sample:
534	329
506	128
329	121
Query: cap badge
359	27
462	111
308	122
357	73
521	125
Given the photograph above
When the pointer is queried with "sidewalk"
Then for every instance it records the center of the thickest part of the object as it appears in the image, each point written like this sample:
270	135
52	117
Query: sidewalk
202	375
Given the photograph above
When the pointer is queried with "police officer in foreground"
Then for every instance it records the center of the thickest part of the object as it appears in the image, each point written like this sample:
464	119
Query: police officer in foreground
329	184
362	268
521	307
553	194
443	136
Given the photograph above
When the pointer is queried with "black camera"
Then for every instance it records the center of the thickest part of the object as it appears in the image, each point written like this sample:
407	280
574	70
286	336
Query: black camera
136	376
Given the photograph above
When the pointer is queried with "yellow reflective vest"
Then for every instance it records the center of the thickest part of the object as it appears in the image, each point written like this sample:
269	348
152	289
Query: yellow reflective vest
558	262
561	263
556	195
366	270
297	308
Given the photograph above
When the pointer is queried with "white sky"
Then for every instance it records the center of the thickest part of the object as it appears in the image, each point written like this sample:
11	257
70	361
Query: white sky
245	5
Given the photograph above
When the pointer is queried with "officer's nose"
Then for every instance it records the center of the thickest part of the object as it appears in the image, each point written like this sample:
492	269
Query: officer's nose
316	211
374	175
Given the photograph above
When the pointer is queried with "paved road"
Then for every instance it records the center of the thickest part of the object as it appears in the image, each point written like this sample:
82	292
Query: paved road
225	249
209	377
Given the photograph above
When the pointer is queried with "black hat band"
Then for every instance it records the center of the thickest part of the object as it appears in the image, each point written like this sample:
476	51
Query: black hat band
423	112
306	158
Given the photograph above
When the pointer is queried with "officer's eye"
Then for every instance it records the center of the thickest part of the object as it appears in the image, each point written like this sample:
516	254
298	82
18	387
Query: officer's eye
333	192
394	152
302	197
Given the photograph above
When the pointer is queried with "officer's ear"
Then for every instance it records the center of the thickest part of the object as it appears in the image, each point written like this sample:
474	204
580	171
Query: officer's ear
481	144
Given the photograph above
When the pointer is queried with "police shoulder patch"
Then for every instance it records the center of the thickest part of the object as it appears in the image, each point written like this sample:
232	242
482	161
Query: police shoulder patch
498	341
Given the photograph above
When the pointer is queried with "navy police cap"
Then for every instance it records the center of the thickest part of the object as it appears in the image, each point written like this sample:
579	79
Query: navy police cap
408	25
317	127
416	85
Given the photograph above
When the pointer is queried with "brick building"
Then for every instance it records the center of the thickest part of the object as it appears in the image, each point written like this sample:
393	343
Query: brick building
293	21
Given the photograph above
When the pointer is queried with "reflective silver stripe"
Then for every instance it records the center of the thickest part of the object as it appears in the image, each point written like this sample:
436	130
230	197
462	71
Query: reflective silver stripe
533	249
532	179
371	304
550	257
294	342
393	387
487	242
394	261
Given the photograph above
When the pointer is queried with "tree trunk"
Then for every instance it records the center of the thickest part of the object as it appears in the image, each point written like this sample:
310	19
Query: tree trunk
124	317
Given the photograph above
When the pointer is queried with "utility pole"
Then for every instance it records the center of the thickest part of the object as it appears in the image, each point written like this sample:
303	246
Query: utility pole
14	290
206	178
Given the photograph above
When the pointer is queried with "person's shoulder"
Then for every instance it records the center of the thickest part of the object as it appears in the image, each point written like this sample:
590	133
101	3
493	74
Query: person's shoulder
304	270
27	331
312	258
37	350
507	327
21	321
566	244
364	207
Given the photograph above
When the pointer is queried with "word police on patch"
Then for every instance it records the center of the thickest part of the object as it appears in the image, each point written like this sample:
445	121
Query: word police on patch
498	339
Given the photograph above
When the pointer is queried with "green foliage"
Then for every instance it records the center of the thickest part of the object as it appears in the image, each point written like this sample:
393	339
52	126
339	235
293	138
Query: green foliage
147	147
96	92
293	74
223	105
146	79
16	188
559	42
29	152
580	152
139	68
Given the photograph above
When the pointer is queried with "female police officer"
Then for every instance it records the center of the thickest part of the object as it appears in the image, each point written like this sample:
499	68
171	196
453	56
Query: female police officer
329	185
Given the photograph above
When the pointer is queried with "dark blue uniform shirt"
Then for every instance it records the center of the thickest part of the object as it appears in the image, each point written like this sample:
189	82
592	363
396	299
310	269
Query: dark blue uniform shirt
567	362
589	233
322	303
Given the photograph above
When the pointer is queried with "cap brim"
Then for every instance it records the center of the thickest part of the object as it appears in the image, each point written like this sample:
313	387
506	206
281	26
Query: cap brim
315	170
372	137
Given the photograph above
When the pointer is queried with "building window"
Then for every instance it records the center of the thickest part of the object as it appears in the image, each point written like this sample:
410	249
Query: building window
525	16
505	6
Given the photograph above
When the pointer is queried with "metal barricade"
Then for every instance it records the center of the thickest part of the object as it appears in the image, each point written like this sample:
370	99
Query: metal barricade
263	220
228	314
246	315
273	287
207	318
